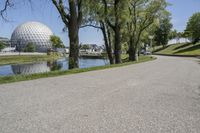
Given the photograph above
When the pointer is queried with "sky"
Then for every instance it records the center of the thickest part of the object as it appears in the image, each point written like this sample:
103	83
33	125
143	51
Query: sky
44	11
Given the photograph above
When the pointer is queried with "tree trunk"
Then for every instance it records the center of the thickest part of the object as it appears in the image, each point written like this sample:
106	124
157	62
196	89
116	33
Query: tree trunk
117	33
136	55
74	48
72	19
117	45
133	50
107	44
73	36
133	55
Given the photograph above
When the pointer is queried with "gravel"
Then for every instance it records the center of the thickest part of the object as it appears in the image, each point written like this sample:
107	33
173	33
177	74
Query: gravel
161	96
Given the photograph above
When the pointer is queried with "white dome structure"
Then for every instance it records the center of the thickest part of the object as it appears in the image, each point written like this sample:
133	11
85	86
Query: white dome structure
32	32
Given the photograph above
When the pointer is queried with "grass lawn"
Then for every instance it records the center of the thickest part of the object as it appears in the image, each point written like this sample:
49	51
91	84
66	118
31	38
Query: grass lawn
180	49
19	59
9	79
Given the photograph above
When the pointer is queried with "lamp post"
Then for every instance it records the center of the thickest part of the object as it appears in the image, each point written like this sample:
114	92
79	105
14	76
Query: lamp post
18	46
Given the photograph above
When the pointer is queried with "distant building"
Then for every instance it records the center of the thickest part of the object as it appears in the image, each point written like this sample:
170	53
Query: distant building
92	48
67	50
8	47
6	41
178	40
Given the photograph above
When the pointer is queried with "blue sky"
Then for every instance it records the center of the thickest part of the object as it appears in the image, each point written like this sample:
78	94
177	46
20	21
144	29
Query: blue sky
43	11
181	11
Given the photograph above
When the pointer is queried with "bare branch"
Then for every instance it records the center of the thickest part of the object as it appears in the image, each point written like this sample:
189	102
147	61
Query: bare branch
106	13
7	4
61	10
80	12
90	25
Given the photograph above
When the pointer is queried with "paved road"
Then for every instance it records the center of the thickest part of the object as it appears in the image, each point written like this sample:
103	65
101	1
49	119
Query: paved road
161	96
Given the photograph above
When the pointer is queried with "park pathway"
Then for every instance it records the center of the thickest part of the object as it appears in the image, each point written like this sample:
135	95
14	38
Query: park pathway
160	96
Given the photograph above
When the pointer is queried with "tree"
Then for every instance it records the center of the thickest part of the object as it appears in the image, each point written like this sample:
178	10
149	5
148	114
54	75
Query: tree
56	42
71	13
124	48
30	47
142	14
162	32
2	46
173	34
107	39
97	19
85	47
114	13
192	28
7	4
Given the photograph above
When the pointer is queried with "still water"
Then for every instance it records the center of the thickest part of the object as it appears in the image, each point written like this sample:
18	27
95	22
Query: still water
47	66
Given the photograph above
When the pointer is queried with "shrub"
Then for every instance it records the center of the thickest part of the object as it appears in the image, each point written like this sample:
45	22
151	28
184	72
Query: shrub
2	46
30	47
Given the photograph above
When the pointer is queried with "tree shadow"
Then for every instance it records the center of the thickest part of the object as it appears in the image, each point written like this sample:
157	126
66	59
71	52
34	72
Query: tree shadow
189	49
160	49
182	46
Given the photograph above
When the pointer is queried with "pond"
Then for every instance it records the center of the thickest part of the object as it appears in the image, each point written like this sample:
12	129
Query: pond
47	66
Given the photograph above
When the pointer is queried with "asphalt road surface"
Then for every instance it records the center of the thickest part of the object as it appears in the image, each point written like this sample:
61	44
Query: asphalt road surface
161	96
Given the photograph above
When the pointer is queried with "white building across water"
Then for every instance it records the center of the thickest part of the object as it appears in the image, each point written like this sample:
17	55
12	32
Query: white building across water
178	40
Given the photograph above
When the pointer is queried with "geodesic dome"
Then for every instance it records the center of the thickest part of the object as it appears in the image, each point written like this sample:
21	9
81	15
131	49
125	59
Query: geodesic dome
32	32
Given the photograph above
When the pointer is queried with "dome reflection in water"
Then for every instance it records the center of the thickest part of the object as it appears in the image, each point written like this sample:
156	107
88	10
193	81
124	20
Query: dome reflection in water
47	66
40	67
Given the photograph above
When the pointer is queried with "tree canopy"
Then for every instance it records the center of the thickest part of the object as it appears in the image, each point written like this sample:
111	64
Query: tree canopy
193	28
2	45
30	47
126	23
162	32
56	42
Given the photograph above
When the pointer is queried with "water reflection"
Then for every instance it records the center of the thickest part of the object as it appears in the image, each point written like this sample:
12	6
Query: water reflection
40	67
47	66
54	65
30	68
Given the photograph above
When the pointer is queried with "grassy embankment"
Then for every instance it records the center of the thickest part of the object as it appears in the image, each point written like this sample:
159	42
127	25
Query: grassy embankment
16	78
20	59
180	49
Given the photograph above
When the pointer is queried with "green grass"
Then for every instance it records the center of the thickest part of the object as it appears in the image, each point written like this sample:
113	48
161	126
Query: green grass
16	78
20	59
180	49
